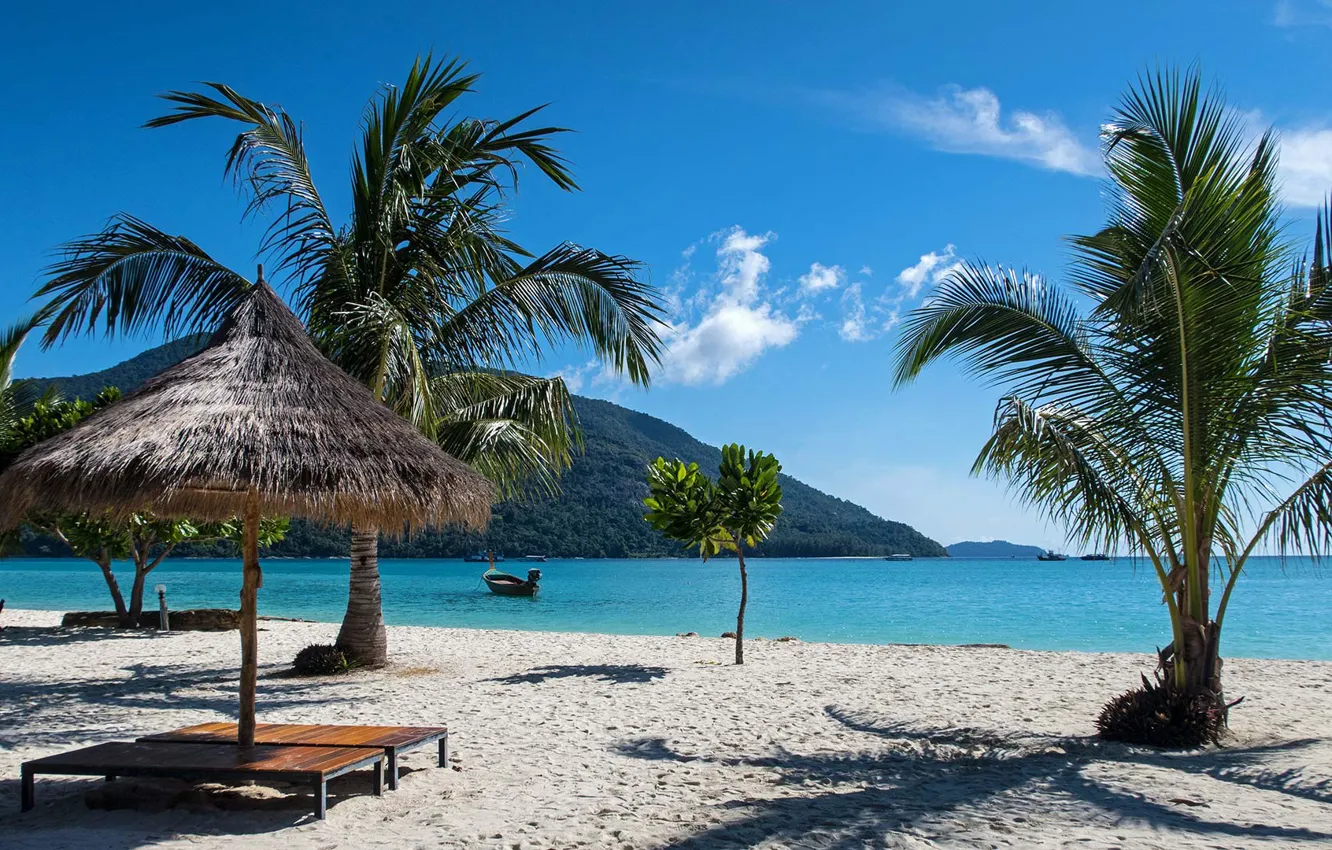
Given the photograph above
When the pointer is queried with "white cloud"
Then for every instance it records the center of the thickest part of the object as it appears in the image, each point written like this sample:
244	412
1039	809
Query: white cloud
742	264
960	120
866	271
1305	168
726	342
932	268
821	278
855	320
1304	164
739	322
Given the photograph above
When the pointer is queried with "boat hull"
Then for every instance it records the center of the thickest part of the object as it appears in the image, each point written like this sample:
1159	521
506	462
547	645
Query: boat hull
503	584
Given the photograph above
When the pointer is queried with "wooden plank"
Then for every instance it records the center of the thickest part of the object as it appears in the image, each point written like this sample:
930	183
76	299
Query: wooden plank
401	737
125	759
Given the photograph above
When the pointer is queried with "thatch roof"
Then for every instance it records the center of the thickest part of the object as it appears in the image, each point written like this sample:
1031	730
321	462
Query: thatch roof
260	406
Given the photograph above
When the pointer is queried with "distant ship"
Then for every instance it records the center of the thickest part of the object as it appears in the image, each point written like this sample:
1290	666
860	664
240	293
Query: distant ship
1096	557
1051	555
540	558
900	556
481	558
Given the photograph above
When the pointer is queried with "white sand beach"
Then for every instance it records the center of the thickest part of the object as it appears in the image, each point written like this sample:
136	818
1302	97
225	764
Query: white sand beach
576	740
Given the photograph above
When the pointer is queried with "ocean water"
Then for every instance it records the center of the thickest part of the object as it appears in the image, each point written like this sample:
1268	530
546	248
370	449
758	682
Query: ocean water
1279	609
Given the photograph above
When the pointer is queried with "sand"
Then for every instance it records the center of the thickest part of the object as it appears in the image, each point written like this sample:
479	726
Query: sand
580	740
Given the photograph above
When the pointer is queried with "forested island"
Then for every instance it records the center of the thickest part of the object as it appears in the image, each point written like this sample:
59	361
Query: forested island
599	514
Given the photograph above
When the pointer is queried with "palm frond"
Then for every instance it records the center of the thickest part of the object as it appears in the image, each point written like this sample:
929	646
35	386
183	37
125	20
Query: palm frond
569	294
517	430
132	278
268	157
1057	458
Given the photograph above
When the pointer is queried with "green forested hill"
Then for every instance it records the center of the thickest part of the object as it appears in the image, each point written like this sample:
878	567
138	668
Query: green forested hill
600	512
128	375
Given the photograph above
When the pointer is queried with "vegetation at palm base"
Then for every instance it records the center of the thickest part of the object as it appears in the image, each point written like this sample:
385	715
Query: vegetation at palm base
598	512
322	659
736	511
141	538
419	294
1185	410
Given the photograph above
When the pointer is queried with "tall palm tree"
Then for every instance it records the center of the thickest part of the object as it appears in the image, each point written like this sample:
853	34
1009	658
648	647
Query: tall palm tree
1185	411
15	398
419	294
16	401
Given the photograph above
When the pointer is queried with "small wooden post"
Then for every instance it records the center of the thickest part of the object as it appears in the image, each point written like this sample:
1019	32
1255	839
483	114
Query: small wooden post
249	607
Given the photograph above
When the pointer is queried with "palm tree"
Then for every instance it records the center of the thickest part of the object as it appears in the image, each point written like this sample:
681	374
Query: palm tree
15	398
1185	410
420	295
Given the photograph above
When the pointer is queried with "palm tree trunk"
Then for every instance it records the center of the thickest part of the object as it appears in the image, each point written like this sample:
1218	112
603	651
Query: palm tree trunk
363	635
740	618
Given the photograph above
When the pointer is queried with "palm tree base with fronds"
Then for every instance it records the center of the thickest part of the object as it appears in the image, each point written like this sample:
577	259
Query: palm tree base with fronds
1159	715
1185	413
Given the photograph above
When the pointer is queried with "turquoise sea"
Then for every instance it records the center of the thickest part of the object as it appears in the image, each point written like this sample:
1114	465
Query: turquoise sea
1279	610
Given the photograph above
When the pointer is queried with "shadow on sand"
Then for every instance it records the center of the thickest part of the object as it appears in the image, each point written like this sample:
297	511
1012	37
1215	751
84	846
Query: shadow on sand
941	781
200	809
61	636
619	674
68	708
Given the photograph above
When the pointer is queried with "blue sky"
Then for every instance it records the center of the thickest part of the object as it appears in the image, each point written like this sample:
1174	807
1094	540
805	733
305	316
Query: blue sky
795	176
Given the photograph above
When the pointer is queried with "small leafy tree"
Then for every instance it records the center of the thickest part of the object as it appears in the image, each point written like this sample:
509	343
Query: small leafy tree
142	538
738	510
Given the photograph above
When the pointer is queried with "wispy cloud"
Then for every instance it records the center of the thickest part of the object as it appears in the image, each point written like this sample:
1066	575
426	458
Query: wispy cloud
932	268
972	121
821	278
855	325
739	322
1302	13
863	322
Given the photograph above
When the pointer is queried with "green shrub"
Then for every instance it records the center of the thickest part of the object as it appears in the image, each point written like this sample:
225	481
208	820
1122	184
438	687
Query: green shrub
322	659
1159	716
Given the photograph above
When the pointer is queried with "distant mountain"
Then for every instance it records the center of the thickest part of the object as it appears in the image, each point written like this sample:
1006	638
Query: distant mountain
599	513
128	375
993	549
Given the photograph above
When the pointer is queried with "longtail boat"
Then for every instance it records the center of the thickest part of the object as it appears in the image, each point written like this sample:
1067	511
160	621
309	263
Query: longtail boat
504	584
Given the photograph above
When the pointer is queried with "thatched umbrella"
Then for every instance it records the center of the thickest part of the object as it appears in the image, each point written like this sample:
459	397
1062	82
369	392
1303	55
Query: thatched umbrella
258	422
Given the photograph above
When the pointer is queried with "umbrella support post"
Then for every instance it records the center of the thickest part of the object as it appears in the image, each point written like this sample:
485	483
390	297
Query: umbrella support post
249	602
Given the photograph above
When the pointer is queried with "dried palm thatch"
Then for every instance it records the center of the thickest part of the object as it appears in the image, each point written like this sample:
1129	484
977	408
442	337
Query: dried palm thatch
259	407
259	421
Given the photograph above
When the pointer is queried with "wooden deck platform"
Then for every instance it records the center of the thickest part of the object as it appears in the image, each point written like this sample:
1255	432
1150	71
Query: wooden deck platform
392	740
313	766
